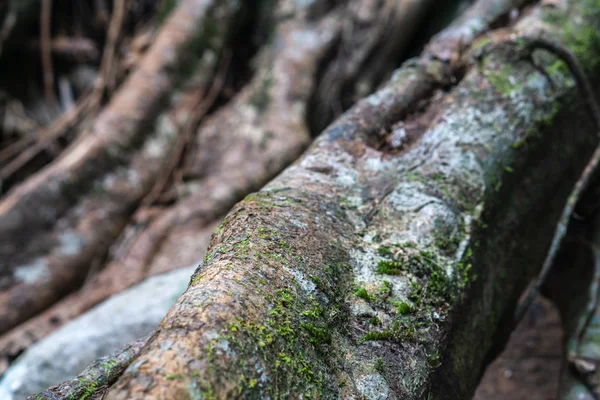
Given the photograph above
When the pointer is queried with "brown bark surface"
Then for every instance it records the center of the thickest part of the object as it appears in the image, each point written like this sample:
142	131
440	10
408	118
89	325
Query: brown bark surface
384	263
234	151
373	269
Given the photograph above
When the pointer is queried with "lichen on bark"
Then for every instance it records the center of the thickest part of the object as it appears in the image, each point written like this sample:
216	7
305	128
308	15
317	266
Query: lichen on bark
380	271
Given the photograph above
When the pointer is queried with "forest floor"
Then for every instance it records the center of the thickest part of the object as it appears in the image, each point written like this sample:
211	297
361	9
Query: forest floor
529	367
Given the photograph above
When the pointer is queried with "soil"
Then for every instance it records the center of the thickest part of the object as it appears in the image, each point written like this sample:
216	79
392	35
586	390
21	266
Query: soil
529	367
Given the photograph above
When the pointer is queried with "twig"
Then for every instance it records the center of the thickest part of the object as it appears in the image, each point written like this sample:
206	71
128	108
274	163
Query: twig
44	138
582	183
107	70
46	49
85	105
201	105
95	378
590	309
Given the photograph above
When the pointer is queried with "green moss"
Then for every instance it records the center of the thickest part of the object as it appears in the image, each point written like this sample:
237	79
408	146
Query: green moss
316	280
317	335
363	294
434	360
89	388
447	244
109	365
267	200
174	376
403	307
415	177
291	341
389	267
401	331
261	97
502	81
386	289
379	366
220	227
385	251
437	177
534	130
481	44
416	293
279	340
584	38
378	335
558	69
196	279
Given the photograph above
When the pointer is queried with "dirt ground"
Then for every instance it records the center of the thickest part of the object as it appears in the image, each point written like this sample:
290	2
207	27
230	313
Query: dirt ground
529	367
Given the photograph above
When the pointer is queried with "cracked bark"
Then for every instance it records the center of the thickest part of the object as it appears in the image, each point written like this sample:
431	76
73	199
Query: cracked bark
236	150
369	269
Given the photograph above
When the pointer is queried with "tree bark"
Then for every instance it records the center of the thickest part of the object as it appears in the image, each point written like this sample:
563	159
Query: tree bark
96	378
235	151
384	262
57	222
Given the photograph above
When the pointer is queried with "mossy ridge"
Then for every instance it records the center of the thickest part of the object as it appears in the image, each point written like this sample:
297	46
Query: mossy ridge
447	187
580	35
429	298
293	343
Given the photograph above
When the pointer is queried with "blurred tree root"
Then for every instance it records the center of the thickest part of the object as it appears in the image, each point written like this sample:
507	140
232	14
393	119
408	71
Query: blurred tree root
57	222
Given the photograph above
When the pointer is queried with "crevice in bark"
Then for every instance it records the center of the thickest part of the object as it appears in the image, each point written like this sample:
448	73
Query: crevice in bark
374	36
314	127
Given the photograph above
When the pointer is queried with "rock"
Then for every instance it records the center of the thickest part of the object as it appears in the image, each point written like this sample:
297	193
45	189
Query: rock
103	330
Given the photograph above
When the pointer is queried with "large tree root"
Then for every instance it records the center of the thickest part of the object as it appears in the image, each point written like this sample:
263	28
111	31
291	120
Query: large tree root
383	262
237	150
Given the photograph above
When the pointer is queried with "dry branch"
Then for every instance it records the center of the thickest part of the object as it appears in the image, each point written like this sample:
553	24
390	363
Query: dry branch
94	379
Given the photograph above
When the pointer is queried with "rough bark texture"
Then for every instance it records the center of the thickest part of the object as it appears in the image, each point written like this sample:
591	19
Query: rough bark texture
94	380
383	262
235	151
